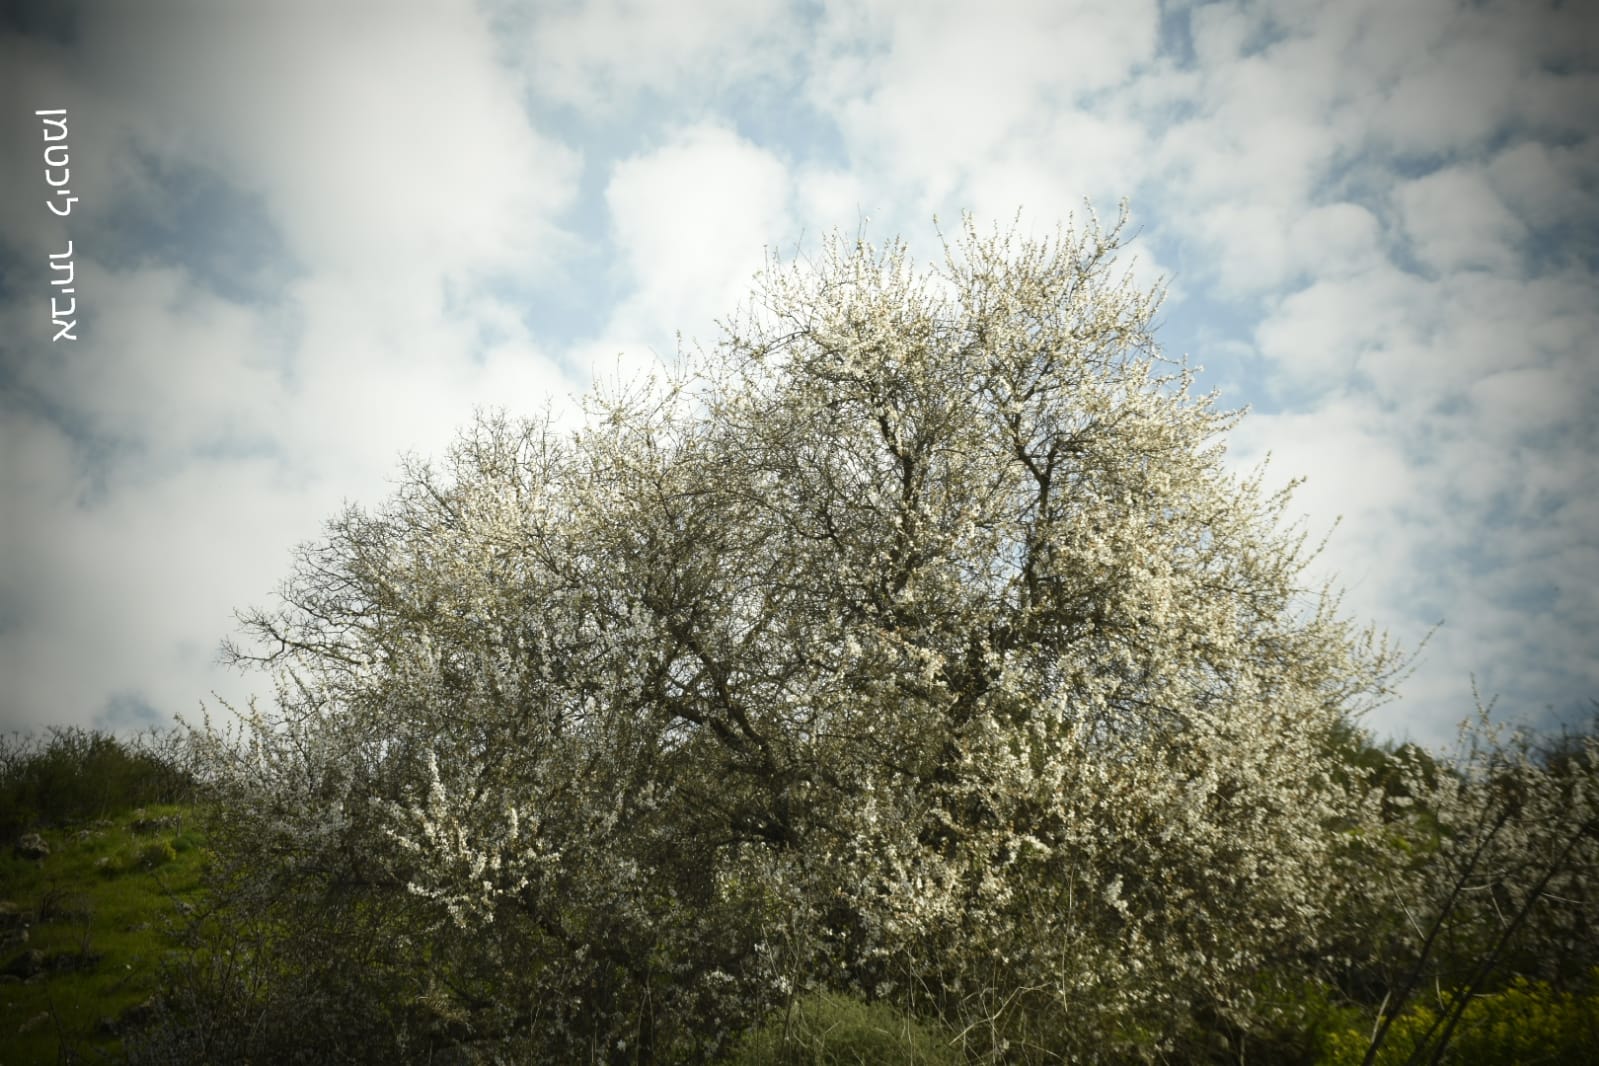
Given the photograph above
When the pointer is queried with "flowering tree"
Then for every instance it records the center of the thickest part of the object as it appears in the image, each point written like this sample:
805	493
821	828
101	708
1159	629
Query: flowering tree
914	641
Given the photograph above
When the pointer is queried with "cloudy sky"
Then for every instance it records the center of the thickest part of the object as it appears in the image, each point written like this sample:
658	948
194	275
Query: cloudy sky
308	239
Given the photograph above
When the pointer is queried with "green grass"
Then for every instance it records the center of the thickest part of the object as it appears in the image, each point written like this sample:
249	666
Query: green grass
105	909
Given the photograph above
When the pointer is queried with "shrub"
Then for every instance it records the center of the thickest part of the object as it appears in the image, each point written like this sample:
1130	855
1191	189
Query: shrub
157	853
825	1029
76	774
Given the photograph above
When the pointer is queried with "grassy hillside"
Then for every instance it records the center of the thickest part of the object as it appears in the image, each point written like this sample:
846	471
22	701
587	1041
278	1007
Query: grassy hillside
95	892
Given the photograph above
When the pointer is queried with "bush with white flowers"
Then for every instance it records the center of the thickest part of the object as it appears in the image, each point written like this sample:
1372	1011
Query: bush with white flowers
914	641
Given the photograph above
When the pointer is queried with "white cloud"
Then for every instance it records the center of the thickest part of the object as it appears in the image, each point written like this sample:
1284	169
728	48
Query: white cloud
829	198
204	437
1246	164
598	55
1352	467
1337	240
1458	95
1455	222
32	77
1529	398
925	94
1322	334
38	466
1477	535
1077	155
1218	33
1548	185
169	369
410	149
690	220
133	593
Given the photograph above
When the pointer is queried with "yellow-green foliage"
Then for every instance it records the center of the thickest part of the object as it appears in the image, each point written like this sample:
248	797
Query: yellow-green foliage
1528	1022
157	853
824	1029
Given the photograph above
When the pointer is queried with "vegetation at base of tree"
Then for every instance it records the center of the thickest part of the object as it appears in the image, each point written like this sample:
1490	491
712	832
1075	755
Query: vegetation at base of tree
1523	1021
134	966
825	1029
